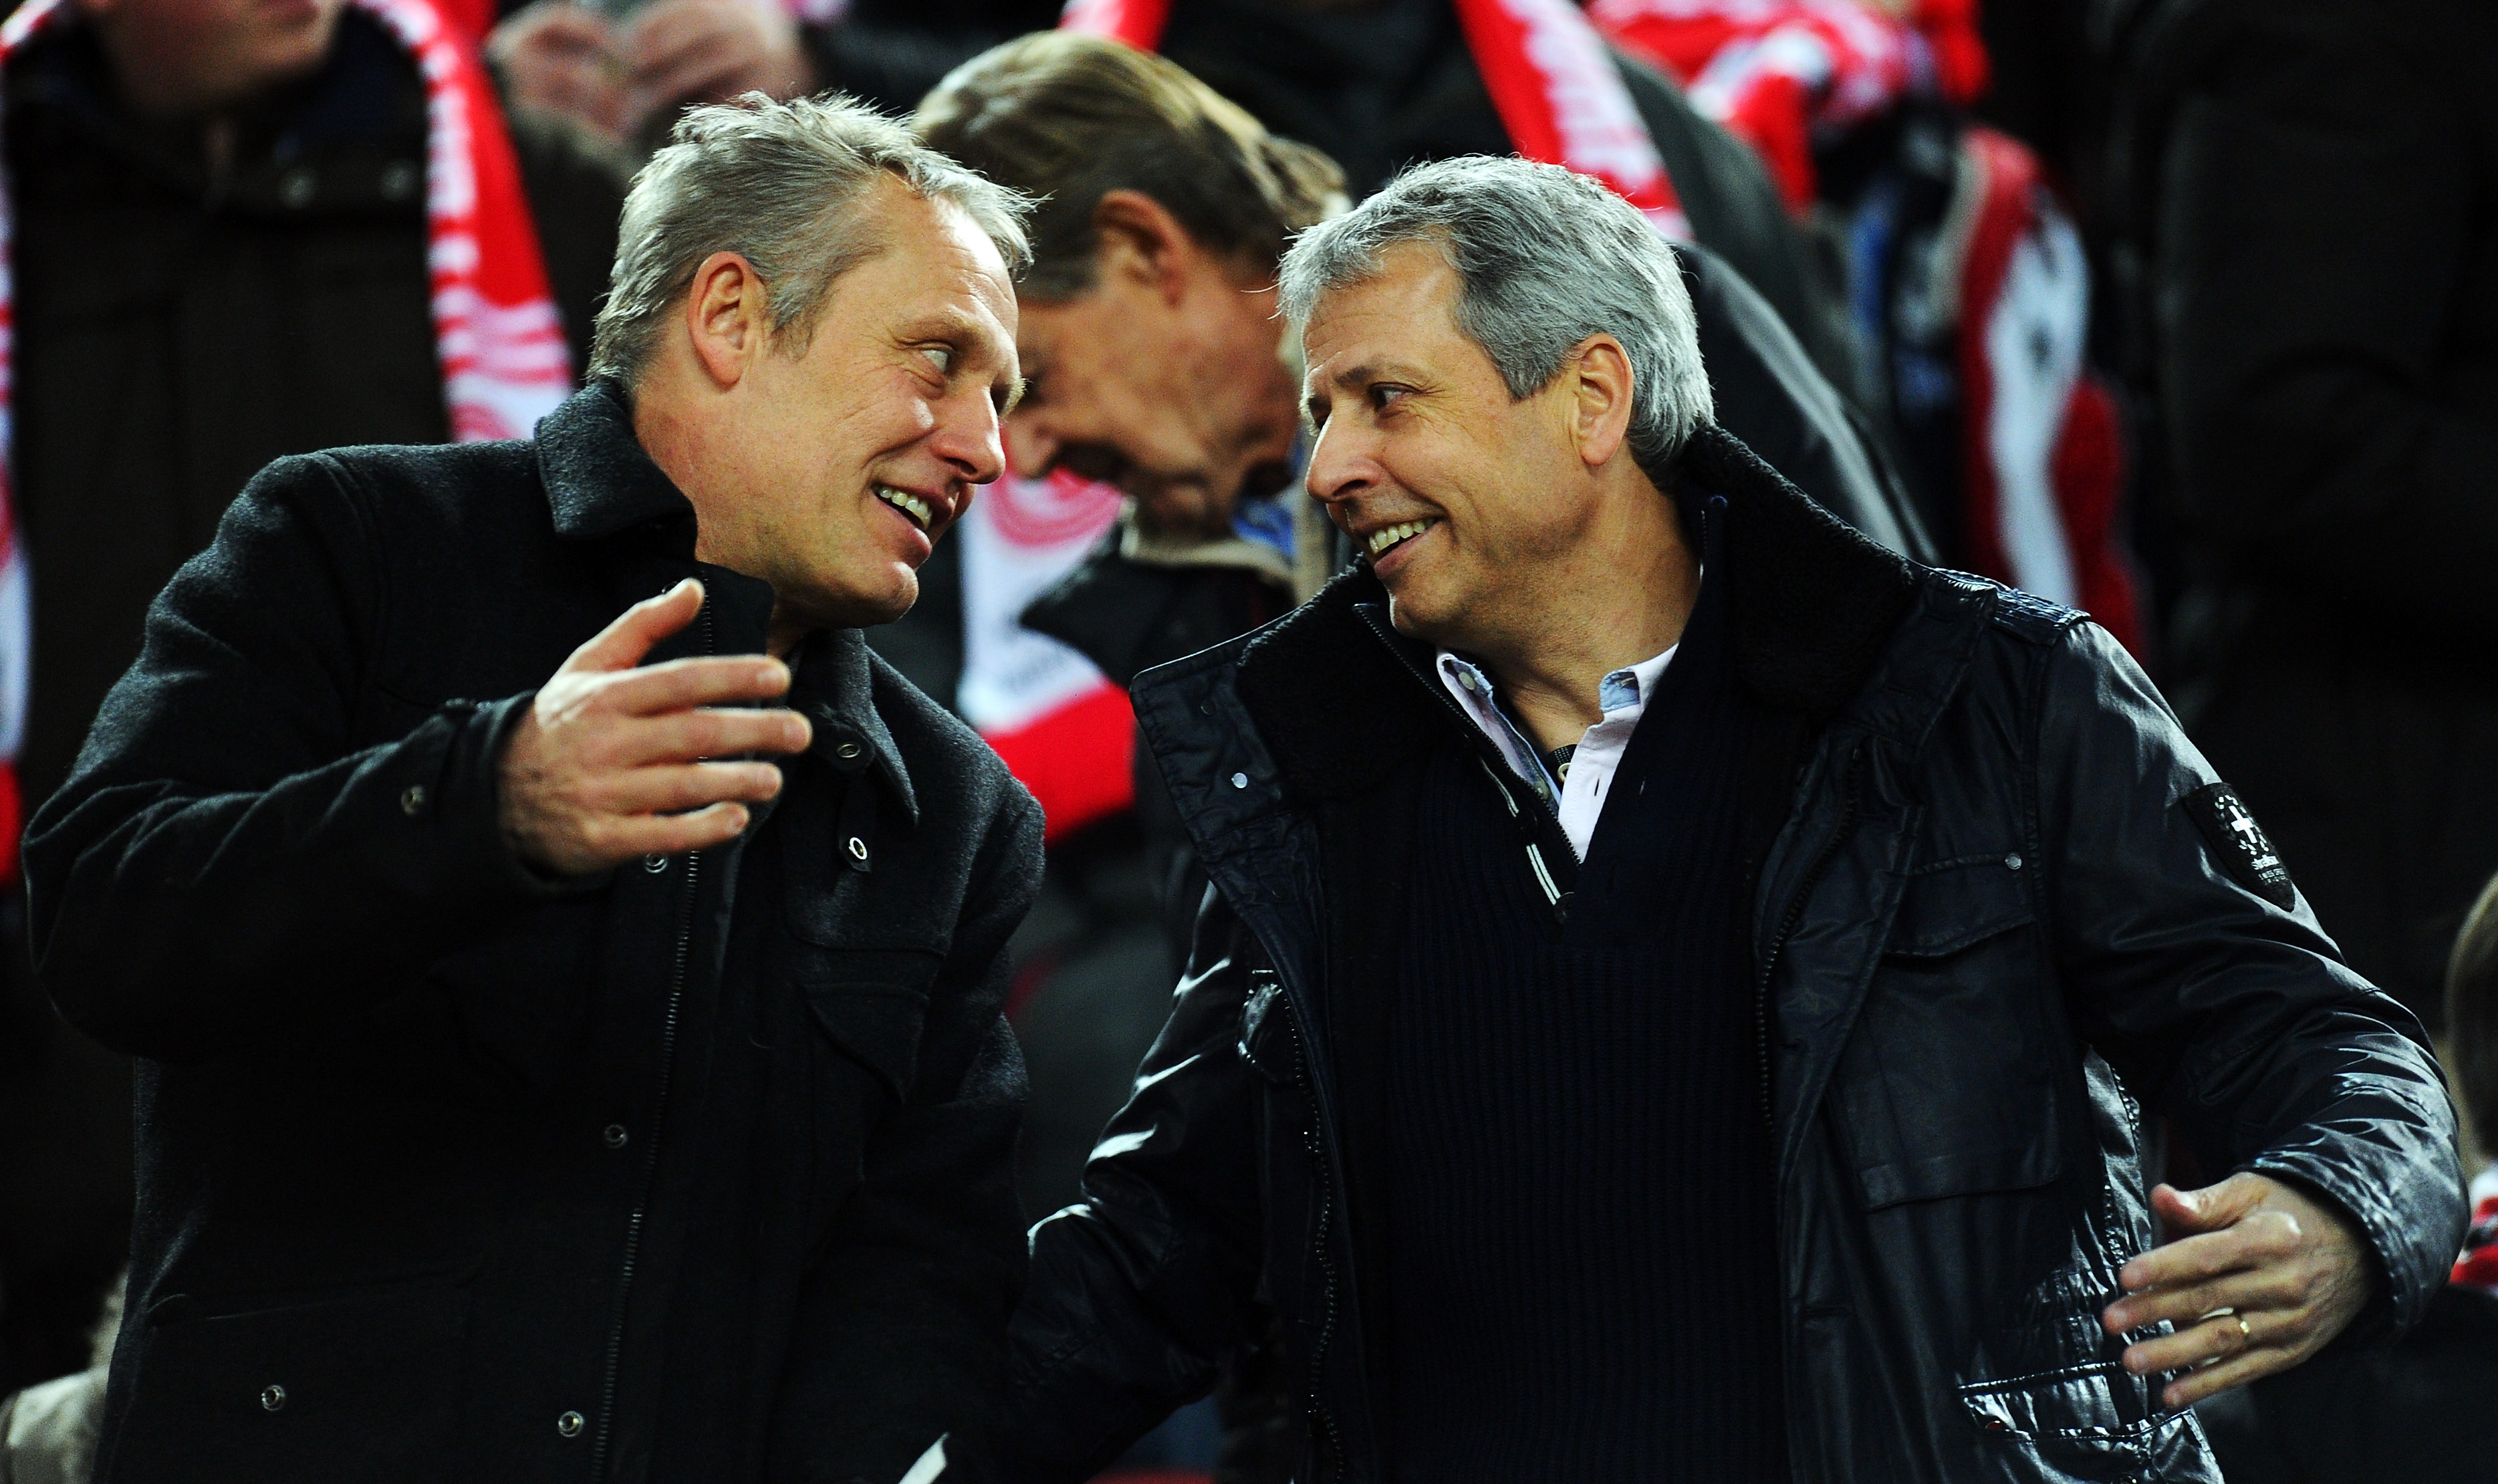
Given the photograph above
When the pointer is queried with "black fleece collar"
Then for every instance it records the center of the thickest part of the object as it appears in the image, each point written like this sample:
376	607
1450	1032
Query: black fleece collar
1813	602
597	478
833	685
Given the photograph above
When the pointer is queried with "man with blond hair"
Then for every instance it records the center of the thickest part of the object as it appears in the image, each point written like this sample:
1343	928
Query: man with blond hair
569	1016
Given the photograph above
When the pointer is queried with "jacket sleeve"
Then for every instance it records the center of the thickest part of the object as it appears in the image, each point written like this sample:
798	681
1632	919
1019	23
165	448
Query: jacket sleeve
222	852
1139	1292
900	1326
2235	1017
2316	206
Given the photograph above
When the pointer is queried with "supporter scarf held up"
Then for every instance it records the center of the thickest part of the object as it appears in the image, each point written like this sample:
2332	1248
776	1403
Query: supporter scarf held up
1550	79
496	336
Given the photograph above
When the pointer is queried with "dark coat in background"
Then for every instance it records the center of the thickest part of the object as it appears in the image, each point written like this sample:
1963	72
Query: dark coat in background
174	332
2312	190
1985	925
697	1172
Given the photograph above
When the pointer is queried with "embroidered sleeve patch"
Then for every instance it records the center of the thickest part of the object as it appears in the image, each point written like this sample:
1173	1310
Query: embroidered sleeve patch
2241	843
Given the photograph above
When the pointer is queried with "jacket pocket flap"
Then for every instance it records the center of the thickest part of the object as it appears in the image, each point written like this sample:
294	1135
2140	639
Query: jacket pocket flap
1962	1172
1948	908
872	1012
324	1355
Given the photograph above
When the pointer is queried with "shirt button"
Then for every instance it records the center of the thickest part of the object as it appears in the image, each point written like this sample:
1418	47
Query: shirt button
654	862
411	800
1466	678
273	1399
569	1423
399	180
2012	862
615	1136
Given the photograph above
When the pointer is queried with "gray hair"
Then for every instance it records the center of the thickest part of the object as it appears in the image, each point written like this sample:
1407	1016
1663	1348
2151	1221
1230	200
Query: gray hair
1547	258
776	183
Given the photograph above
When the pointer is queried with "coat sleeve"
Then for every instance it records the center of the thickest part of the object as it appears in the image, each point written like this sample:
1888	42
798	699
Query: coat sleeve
2234	1016
2316	209
899	1329
221	850
1141	1292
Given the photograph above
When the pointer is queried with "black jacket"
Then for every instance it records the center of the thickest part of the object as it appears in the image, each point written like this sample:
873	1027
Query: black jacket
698	1172
1984	924
2312	235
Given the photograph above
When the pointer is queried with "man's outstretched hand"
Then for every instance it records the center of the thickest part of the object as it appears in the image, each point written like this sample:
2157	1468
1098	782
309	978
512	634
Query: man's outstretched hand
610	766
2296	1269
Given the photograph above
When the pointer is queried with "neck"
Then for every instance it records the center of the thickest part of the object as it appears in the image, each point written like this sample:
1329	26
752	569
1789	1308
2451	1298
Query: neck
677	440
1617	599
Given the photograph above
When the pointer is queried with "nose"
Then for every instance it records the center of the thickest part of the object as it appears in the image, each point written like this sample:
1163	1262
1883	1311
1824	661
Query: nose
1340	465
967	436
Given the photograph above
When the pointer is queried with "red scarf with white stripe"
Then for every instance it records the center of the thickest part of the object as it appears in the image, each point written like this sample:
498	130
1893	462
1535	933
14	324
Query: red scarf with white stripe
501	348
1554	86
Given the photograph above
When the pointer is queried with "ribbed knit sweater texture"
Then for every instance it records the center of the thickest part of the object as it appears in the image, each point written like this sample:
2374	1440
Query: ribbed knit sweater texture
1584	1283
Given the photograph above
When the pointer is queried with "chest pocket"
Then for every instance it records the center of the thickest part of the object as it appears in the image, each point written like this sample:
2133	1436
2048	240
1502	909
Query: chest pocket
871	1006
1949	1082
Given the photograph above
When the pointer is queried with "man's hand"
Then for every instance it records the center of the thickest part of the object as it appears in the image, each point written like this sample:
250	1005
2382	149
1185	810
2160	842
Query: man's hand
707	51
560	58
2287	1272
608	765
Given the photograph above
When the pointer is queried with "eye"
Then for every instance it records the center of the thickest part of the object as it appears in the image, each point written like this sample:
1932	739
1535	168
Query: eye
1382	396
941	357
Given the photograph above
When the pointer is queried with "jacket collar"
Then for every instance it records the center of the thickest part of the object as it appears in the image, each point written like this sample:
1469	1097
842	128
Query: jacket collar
598	480
833	684
1814	604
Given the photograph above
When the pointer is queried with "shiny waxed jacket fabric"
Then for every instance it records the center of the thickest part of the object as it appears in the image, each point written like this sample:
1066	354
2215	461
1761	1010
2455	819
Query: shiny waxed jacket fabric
1990	942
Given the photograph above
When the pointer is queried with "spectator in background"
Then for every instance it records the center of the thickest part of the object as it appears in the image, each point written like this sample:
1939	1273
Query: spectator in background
2313	200
2418	1413
220	219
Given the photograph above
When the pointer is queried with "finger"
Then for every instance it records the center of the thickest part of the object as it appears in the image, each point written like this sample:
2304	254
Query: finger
2182	1263
672	834
664	33
682	787
706	70
2211	1207
2192	1345
2265	1285
688	736
2253	1364
681	685
622	644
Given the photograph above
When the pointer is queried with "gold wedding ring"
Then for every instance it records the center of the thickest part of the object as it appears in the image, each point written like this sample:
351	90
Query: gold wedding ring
2246	1332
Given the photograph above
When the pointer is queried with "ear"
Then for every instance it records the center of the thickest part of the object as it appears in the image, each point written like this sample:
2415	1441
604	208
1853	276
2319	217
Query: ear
1137	238
1600	407
728	317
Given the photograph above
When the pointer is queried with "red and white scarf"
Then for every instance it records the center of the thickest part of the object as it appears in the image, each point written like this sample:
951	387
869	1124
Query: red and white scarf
501	347
1554	86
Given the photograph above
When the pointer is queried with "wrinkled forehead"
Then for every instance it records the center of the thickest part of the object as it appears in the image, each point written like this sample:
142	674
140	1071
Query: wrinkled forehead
1404	309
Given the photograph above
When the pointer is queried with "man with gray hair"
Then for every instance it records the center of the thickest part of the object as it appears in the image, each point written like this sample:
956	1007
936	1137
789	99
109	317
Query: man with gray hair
571	1018
1678	978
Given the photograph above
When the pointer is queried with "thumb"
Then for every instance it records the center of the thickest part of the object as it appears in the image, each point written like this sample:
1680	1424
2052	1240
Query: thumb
622	644
2207	1210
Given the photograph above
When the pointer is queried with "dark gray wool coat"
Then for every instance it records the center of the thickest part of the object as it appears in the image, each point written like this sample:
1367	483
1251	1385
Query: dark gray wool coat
697	1172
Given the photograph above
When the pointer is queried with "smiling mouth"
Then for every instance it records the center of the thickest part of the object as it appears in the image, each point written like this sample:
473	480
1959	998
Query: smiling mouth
907	502
1386	537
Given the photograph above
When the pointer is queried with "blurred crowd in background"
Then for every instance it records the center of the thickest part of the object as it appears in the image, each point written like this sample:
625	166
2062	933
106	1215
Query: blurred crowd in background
2181	311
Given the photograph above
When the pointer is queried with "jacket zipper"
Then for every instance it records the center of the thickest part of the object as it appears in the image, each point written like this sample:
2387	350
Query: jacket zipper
1787	921
1311	1140
679	966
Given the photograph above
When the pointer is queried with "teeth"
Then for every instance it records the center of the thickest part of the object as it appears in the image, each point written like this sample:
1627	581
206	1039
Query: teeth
908	503
1387	537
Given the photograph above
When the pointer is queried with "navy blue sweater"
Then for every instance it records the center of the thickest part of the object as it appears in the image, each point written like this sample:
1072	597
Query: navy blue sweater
1584	1283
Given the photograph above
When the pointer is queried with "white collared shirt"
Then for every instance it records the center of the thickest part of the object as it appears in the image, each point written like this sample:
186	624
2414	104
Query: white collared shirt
1589	775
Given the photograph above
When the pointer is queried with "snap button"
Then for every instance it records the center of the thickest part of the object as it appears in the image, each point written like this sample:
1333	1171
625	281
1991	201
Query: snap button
847	751
296	188
411	800
569	1423
273	1399
1239	780
615	1136
2012	862
858	848
654	862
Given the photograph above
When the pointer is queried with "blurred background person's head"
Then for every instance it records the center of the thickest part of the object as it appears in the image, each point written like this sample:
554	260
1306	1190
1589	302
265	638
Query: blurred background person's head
814	316
1149	336
180	57
622	70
